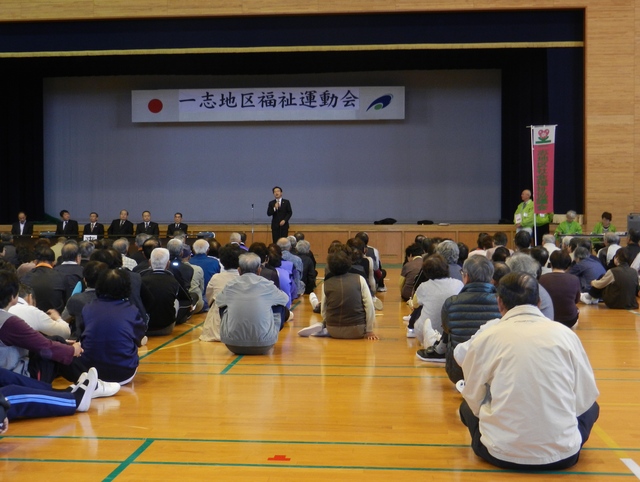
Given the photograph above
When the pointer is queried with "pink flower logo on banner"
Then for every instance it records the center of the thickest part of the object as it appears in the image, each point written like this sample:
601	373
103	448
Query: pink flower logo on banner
543	136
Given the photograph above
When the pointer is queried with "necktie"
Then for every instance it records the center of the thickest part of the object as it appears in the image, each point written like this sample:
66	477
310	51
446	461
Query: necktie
146	225
64	225
92	226
121	223
176	226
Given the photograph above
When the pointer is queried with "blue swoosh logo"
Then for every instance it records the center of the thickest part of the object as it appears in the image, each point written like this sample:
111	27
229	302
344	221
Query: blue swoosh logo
381	102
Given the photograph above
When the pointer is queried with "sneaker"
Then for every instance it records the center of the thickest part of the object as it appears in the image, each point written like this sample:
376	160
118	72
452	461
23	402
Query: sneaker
105	389
411	333
377	304
587	299
406	318
324	333
430	355
460	385
311	329
74	387
88	385
290	316
144	340
381	289
313	299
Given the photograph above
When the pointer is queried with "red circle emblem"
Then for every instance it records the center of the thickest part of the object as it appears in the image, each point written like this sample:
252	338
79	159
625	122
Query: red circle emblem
155	106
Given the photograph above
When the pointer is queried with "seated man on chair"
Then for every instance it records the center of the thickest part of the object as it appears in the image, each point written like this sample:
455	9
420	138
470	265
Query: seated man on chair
252	310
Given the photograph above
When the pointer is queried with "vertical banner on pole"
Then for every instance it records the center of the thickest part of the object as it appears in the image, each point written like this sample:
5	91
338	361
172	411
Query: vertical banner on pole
543	141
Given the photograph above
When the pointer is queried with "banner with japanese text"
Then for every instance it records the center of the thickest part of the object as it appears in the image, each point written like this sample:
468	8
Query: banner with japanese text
543	139
268	104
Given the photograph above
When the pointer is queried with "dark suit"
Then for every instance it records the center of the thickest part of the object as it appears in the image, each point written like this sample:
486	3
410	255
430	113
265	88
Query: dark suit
153	229
48	286
27	230
116	230
283	213
98	229
71	229
181	227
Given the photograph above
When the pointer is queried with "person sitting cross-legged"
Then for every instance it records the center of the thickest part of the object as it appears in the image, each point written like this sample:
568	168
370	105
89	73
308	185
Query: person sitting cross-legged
529	393
252	310
347	306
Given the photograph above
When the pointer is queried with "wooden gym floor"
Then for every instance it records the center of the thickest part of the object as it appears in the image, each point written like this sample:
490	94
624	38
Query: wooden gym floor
315	409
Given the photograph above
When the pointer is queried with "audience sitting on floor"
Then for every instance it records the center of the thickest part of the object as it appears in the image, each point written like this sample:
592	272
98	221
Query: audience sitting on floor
521	262
618	287
209	264
463	314
450	252
172	303
532	407
252	310
285	247
48	284
429	298
114	328
522	241
309	273
564	289
49	324
70	267
229	258
485	243
410	270
284	269
72	313
587	268
347	306
611	246
500	240
378	272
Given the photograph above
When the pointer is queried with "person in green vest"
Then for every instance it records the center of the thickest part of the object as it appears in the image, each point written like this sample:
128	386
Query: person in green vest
602	227
569	226
523	217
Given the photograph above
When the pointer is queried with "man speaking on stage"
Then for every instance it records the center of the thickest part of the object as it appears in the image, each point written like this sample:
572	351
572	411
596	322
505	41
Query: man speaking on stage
280	212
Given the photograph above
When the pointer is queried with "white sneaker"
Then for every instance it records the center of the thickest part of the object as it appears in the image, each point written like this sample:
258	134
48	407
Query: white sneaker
587	299
381	289
313	299
74	386
406	318
322	333
377	304
105	389
311	329
290	316
144	340
460	385
88	384
411	333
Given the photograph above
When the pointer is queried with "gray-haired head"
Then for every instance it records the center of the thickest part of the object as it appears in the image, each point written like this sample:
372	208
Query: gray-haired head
249	263
85	248
524	263
69	251
548	239
175	248
201	246
580	253
303	247
478	269
571	215
518	288
141	238
6	237
449	251
235	238
121	245
566	241
611	238
284	244
159	258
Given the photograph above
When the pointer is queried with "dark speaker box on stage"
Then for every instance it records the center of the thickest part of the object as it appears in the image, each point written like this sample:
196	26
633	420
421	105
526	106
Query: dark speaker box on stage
633	221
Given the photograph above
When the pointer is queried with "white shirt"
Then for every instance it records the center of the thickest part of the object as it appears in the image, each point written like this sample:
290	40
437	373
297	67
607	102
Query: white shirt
527	379
39	320
211	326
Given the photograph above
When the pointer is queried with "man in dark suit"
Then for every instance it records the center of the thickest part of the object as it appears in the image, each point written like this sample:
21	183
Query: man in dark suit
67	226
280	211
122	226
177	225
22	227
147	226
94	227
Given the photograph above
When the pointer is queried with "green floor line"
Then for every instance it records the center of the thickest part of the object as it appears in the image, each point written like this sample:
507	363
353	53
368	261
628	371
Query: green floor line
129	460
